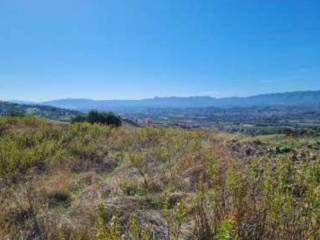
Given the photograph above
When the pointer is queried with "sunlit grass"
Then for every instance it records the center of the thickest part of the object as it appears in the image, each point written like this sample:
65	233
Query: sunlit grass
84	181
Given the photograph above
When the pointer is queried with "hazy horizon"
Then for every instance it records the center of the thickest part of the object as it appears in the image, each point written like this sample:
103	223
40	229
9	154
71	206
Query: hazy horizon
155	97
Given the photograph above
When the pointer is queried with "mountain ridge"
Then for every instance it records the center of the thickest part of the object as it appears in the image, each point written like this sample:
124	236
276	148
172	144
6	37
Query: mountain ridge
297	98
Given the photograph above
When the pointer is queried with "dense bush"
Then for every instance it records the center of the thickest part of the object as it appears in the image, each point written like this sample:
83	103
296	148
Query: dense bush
102	118
59	198
16	114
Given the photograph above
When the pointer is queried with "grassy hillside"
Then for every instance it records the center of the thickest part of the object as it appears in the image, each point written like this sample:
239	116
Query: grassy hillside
51	113
83	181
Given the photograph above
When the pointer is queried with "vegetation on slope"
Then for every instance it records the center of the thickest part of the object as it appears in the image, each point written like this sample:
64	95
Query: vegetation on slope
90	181
47	112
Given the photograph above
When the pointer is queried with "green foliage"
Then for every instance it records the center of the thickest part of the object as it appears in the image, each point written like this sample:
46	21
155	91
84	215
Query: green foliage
137	232
146	235
134	228
283	149
226	230
175	217
39	111
104	231
102	118
113	232
101	225
10	157
79	119
16	114
137	161
60	235
179	217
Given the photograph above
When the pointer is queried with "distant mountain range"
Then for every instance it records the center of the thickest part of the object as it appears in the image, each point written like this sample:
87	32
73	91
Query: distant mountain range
301	98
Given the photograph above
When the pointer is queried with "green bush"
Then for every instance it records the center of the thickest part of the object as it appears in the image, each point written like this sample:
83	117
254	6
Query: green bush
102	118
16	114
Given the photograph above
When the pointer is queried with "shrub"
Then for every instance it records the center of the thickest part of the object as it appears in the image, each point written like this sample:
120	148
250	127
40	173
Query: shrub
79	119
59	198
283	149
16	114
102	118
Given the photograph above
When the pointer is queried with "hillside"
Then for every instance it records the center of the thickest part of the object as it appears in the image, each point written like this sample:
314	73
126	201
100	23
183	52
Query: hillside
302	98
92	182
51	113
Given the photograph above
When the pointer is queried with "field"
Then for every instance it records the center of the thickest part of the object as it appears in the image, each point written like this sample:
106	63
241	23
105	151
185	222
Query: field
87	181
252	120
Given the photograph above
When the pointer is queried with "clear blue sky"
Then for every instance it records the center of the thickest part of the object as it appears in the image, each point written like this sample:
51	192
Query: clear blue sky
130	49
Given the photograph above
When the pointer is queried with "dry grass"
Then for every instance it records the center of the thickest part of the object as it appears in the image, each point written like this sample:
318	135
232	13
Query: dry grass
179	184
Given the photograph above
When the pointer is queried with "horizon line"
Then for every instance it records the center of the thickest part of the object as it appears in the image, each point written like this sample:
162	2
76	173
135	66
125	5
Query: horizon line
155	97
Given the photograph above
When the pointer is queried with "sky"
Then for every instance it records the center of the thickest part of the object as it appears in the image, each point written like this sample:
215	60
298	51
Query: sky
133	49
